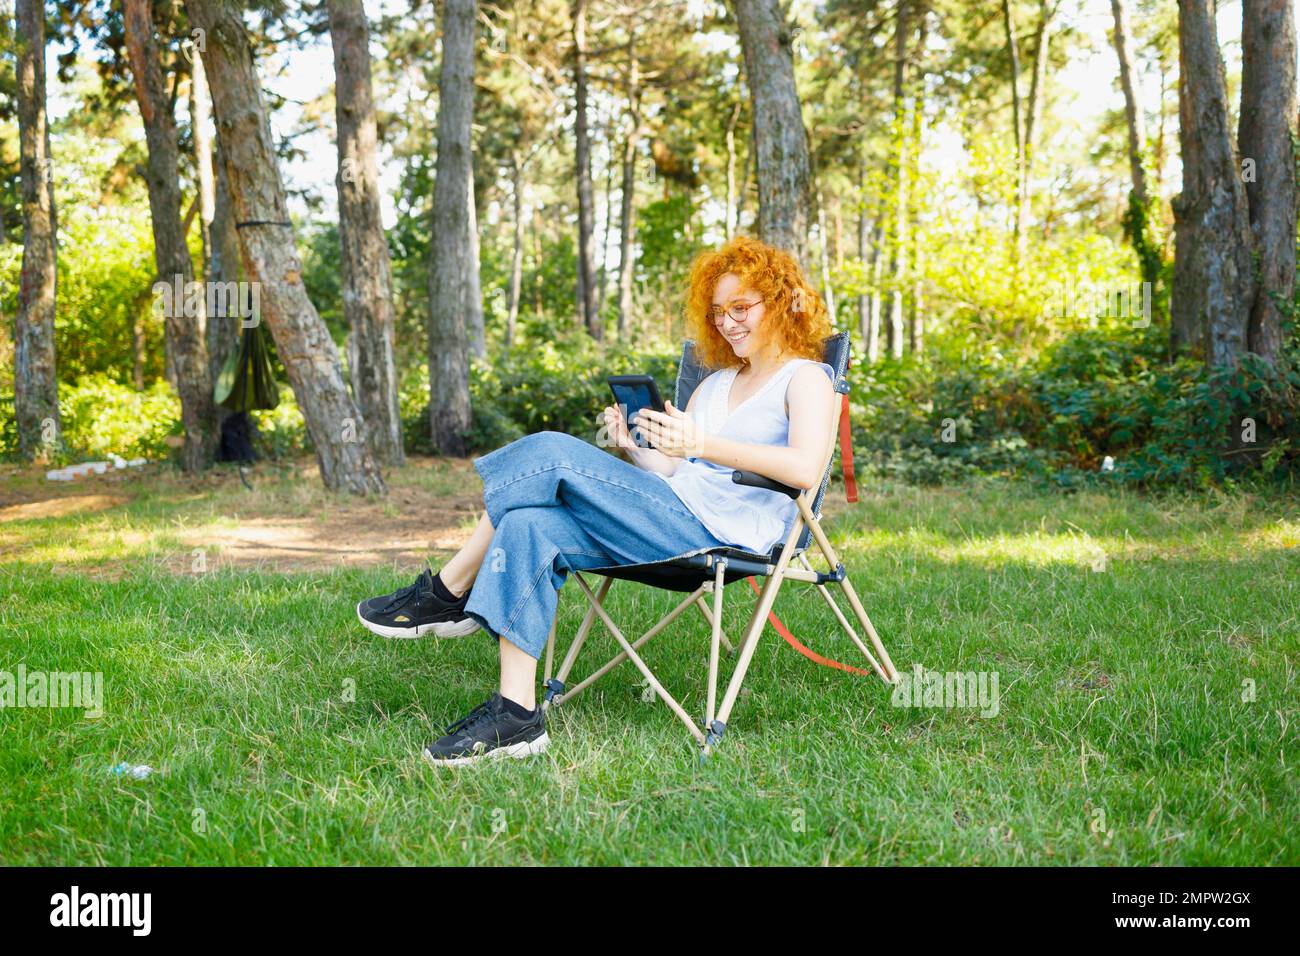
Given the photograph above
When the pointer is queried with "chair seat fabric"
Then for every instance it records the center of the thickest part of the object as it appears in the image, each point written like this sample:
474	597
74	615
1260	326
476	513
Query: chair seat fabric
689	572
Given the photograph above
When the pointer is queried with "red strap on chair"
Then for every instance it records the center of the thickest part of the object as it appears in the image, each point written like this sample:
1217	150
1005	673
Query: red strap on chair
846	454
805	651
846	443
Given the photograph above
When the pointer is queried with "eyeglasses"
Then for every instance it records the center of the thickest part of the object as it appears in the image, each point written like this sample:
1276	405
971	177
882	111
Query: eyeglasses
737	311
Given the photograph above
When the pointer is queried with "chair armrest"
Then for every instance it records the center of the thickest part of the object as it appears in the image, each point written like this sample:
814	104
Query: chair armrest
759	481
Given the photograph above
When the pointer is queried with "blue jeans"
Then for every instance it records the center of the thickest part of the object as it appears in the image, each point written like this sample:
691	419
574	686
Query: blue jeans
559	504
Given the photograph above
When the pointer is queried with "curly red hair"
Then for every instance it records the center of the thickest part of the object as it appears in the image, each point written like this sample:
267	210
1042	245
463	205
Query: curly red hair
793	313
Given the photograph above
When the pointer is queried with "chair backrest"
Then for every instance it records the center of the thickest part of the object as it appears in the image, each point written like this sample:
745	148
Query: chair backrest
835	353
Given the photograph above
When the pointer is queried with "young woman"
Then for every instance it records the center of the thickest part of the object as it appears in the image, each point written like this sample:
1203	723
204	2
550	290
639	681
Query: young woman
555	503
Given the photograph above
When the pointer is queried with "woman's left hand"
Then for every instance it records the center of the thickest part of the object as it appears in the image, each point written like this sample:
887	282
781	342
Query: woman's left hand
671	431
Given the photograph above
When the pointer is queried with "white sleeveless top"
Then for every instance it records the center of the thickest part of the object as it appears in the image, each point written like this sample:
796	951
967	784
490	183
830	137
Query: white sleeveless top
755	519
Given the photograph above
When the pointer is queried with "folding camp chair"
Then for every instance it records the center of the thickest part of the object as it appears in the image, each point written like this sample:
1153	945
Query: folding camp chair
711	571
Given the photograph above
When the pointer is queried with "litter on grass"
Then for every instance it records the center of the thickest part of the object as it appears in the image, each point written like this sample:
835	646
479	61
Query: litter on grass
93	468
135	771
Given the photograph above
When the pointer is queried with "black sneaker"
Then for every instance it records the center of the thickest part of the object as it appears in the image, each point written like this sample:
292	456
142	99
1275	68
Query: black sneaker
488	732
415	610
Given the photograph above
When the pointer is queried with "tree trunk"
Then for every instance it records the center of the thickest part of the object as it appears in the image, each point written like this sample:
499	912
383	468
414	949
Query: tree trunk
870	319
185	316
367	272
609	220
220	244
1139	220
877	280
1161	153
452	288
1037	94
780	140
1009	28
864	300
746	174
224	331
898	249
1213	282
1128	79
517	255
828	292
474	326
334	423
537	260
588	313
579	289
916	315
627	219
36	389
1265	136
200	119
838	248
731	170
137	348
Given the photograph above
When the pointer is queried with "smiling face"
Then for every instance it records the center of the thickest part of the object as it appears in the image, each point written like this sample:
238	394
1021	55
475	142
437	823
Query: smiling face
743	334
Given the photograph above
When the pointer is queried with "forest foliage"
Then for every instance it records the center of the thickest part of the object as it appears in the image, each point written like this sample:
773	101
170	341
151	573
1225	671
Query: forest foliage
1016	374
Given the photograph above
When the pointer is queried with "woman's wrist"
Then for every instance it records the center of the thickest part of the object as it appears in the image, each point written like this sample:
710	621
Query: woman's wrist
649	459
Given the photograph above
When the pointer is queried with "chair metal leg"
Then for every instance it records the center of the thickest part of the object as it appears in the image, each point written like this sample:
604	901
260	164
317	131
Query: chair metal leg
555	688
719	580
757	624
550	649
648	674
887	672
583	631
621	656
708	616
890	674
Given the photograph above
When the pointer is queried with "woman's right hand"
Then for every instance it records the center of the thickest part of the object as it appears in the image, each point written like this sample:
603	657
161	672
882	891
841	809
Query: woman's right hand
617	426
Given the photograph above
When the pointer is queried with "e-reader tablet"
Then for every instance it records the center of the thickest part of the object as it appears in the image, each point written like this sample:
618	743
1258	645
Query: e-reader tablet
633	393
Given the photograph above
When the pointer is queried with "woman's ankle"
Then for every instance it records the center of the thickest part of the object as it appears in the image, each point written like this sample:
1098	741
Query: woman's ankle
451	587
527	707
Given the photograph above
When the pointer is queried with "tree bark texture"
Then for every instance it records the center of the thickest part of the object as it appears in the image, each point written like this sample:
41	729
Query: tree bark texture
36	390
780	140
453	275
270	259
367	271
1213	280
185	317
1265	136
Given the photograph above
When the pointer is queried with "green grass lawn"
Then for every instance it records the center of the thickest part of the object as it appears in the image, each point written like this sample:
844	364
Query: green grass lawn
1147	713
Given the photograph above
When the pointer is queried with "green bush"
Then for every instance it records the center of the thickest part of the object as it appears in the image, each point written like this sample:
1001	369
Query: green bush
1105	392
560	386
1097	394
281	431
101	417
105	266
8	427
557	385
1102	393
413	406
